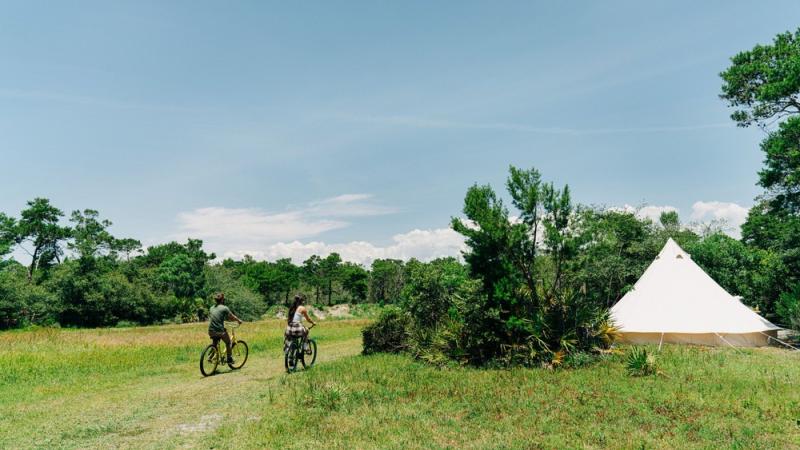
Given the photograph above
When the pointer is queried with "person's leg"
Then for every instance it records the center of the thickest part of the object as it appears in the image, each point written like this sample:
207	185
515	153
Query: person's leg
287	339
227	340
214	339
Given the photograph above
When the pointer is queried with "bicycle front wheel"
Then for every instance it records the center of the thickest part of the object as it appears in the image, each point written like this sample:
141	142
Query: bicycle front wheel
239	351
209	360
309	354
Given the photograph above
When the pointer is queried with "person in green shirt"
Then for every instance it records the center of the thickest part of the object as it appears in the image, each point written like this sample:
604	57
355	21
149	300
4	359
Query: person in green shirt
217	316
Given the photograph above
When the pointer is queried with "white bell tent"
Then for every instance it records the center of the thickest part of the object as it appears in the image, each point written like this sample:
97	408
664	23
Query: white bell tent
676	301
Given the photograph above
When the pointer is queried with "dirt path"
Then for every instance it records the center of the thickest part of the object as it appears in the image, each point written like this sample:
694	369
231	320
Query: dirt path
172	410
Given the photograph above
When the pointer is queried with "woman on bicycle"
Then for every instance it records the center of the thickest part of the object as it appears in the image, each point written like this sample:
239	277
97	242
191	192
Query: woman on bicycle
294	326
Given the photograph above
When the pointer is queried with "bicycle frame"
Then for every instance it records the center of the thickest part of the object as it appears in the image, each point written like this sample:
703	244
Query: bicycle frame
222	351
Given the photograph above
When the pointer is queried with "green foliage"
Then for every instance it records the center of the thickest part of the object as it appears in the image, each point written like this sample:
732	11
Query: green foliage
22	303
274	281
788	308
388	334
529	310
355	281
387	277
617	248
435	291
763	83
97	293
38	228
748	272
180	267
781	174
670	220
7	234
640	363
90	235
245	303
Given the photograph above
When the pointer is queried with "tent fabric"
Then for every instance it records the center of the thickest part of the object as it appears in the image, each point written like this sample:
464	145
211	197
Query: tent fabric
676	297
759	339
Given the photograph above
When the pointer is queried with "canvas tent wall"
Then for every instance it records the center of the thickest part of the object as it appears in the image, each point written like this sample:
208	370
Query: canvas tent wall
676	301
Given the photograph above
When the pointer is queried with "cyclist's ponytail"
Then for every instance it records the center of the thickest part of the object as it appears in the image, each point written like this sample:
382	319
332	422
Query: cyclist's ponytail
298	300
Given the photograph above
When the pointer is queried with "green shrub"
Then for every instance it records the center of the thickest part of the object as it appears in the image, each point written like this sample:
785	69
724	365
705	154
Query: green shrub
439	345
576	360
245	303
640	363
389	334
788	308
23	303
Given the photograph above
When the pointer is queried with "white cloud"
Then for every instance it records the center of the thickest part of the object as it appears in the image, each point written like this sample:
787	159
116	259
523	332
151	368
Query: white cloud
424	245
348	205
732	214
252	224
726	216
651	212
225	230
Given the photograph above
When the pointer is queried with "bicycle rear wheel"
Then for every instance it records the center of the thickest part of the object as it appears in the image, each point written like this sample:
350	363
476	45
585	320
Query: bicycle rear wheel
209	360
290	359
239	351
309	356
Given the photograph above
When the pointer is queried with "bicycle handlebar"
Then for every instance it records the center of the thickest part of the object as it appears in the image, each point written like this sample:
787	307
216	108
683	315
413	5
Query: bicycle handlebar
232	324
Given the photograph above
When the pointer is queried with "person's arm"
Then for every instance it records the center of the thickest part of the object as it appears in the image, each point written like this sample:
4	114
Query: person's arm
304	312
231	315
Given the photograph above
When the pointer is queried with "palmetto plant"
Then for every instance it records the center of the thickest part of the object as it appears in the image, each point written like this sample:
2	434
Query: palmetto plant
640	363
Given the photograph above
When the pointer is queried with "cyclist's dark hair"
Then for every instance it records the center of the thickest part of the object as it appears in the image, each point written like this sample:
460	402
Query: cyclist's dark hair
298	300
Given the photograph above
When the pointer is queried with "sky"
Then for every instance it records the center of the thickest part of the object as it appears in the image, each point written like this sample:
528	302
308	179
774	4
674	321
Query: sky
285	129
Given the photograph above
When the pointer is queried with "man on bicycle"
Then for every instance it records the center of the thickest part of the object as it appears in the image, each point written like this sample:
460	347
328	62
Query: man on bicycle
217	316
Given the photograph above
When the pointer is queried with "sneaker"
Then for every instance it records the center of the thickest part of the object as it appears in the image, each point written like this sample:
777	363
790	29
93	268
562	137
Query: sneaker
230	361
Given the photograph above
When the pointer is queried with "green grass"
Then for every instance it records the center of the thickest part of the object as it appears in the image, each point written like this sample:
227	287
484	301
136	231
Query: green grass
141	388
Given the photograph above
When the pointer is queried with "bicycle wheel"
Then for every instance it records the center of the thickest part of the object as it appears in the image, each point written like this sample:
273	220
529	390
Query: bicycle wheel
309	356
239	352
209	360
290	360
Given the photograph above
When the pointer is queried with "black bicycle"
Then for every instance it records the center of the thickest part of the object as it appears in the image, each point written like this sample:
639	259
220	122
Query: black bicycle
301	350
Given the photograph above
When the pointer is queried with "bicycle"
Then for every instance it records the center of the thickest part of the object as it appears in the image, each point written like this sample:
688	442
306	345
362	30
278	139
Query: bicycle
301	349
213	355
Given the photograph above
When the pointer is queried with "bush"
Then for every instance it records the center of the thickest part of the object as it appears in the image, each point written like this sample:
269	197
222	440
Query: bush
245	303
23	303
577	360
640	363
788	308
389	333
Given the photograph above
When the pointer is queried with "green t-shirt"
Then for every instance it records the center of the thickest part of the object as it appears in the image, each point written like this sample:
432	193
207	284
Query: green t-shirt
216	318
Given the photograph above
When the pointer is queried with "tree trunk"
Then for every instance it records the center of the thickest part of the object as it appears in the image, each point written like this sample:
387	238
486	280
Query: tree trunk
32	267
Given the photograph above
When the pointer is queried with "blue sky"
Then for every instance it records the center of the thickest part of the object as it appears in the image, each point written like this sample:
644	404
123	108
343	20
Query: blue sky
279	129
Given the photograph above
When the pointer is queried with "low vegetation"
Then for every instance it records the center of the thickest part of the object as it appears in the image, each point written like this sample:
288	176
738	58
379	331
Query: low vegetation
140	387
640	362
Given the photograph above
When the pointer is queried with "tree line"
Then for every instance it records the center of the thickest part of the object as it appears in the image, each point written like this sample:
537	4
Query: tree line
79	274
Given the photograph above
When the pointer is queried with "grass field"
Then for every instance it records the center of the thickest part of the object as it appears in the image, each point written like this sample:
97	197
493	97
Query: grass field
141	388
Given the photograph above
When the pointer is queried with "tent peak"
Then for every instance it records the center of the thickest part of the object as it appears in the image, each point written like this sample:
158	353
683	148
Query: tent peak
672	250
